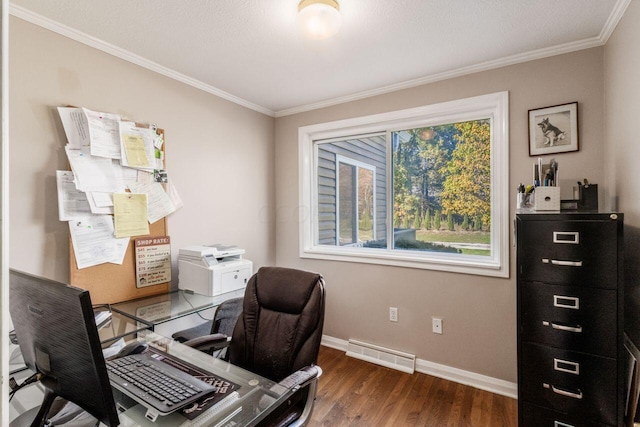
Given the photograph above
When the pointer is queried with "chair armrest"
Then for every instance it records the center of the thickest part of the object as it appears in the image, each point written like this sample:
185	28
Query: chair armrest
208	342
295	412
302	377
193	332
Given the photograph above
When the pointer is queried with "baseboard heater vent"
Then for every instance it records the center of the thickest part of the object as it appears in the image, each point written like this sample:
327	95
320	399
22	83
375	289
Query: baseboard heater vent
382	356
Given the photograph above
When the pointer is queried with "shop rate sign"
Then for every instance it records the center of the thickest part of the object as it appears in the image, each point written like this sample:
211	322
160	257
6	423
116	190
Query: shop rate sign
153	260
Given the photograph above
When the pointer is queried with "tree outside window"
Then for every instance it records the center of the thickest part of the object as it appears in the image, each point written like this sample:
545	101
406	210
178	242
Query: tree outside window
424	187
442	187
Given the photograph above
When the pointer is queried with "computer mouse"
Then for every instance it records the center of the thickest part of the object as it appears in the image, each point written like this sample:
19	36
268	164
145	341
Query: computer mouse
134	347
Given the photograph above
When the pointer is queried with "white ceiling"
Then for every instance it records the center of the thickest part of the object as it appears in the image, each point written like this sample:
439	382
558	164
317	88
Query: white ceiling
251	52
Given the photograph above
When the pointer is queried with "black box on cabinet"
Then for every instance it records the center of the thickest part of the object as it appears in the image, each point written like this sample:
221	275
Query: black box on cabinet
588	200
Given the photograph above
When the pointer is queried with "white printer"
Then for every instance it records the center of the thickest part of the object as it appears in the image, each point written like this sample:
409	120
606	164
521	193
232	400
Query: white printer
213	270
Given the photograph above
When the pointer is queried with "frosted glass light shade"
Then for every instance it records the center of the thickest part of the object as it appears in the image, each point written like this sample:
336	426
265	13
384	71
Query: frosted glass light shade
319	19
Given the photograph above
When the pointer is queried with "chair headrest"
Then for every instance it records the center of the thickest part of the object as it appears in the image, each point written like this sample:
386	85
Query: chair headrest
285	289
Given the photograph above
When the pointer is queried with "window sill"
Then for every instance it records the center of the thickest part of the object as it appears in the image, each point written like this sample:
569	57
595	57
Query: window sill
464	264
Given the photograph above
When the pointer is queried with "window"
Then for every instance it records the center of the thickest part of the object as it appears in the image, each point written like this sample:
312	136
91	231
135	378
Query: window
424	187
355	201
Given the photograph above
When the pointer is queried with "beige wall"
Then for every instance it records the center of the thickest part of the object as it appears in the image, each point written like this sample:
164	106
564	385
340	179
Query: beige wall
622	148
232	176
622	87
479	312
219	154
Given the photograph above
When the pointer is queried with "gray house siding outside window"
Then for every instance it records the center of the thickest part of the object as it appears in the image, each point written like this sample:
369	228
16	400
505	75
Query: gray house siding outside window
368	152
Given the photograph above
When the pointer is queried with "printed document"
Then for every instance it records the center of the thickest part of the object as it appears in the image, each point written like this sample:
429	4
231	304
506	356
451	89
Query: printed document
130	175
72	203
137	146
130	214
94	173
101	203
160	204
174	196
104	133
93	240
75	126
122	244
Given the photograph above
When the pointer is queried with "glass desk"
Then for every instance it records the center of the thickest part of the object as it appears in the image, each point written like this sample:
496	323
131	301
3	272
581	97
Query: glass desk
256	395
117	327
157	309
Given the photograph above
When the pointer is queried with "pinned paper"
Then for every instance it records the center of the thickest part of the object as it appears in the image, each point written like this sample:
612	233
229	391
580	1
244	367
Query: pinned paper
160	204
133	140
104	133
93	240
75	126
134	148
72	203
130	214
94	173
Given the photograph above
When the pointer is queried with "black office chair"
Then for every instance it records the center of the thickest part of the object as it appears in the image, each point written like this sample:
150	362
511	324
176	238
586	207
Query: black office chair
278	336
214	339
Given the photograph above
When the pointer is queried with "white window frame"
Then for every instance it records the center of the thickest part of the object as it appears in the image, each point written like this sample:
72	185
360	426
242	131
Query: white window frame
494	107
357	164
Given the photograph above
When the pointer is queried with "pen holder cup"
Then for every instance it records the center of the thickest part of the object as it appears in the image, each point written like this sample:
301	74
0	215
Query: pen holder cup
547	199
524	201
588	200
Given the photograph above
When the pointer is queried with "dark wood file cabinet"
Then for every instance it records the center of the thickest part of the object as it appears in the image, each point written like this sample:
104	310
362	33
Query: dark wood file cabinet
570	319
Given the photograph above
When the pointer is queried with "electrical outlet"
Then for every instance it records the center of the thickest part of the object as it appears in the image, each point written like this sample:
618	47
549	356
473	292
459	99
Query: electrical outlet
393	314
436	325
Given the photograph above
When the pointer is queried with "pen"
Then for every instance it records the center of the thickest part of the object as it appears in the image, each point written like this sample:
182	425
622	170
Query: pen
554	172
540	169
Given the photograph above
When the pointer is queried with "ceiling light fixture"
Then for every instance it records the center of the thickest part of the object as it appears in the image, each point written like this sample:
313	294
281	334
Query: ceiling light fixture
319	19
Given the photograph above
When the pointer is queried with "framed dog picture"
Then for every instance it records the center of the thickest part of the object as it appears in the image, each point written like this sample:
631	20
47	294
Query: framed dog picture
553	129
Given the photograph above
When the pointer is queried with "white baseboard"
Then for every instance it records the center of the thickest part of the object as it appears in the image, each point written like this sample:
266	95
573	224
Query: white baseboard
336	343
482	382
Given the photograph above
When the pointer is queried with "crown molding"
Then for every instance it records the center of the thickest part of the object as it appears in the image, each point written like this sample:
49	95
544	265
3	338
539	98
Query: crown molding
86	39
610	25
484	66
614	18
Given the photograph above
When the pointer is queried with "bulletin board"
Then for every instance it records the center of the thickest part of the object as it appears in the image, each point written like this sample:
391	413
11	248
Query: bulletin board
110	283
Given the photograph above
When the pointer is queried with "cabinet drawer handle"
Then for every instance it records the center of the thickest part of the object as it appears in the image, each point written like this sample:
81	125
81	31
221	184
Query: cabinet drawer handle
562	301
567	263
570	237
577	329
559	327
566	366
563	392
562	262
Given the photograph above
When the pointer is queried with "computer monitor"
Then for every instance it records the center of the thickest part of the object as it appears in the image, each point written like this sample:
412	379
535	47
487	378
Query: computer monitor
57	334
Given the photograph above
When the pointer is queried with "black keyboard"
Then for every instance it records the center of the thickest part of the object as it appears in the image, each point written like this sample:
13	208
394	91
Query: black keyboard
154	383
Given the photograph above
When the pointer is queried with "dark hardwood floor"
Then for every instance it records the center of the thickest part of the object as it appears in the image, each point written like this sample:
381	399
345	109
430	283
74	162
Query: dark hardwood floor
357	393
